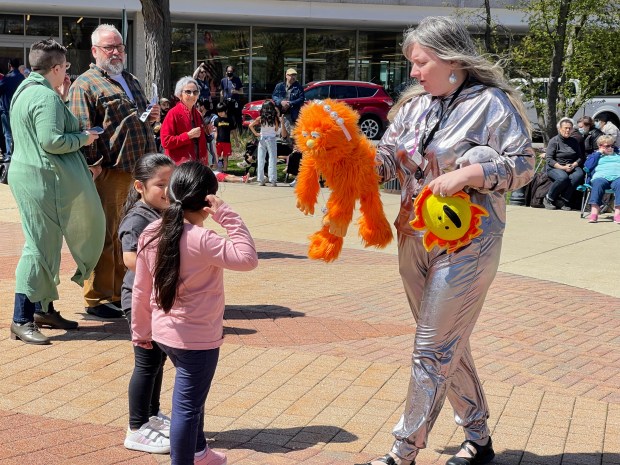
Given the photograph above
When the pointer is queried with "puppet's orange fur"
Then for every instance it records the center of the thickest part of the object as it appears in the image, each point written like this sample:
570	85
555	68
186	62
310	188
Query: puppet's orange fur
348	168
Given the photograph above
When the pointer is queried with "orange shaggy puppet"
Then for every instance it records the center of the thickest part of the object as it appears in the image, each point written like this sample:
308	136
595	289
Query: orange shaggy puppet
334	147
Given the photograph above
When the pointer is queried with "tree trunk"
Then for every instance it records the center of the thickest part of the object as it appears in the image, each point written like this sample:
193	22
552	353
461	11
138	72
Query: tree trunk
557	66
157	31
488	40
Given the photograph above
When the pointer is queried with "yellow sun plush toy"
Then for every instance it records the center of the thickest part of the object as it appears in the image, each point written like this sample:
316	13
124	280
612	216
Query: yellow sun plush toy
334	148
450	222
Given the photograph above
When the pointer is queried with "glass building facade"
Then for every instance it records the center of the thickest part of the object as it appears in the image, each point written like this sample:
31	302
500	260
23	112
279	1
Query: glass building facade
262	54
19	31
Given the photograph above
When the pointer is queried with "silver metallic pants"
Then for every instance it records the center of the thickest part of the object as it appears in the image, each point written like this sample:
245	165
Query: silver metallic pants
445	293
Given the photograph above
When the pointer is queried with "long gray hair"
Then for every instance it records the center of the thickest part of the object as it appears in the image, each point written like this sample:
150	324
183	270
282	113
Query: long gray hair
449	39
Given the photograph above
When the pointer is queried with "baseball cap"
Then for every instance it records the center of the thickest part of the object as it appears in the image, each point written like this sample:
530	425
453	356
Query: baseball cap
291	71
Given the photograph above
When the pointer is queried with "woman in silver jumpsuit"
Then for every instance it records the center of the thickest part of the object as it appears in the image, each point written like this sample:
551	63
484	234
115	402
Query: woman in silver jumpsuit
441	133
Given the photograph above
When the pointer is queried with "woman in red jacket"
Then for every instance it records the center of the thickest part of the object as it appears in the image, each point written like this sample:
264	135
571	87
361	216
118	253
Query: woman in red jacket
183	134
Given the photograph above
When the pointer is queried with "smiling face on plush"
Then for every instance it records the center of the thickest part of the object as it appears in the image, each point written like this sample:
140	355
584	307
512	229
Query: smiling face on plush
450	222
323	126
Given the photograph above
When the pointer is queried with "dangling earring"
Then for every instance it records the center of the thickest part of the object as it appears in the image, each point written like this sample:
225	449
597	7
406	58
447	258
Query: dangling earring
452	78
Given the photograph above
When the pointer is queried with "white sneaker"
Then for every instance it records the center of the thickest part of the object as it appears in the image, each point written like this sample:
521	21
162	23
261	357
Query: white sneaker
147	439
161	423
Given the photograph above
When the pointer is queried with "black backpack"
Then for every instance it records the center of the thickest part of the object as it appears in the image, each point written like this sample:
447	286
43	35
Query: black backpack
537	189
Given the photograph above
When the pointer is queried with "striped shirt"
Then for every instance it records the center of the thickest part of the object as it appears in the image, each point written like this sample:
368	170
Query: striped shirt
97	100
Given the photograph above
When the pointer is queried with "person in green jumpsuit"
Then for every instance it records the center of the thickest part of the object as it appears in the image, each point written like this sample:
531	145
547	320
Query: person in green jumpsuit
54	192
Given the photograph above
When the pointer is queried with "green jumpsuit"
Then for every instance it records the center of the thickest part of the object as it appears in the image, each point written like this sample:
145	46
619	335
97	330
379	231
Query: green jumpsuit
54	191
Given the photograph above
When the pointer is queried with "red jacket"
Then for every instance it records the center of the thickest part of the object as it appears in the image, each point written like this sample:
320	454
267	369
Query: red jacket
175	140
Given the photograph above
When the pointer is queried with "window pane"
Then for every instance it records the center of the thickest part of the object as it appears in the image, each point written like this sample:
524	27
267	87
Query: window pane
341	92
76	37
182	52
319	92
366	91
382	61
221	46
274	51
12	24
45	26
330	55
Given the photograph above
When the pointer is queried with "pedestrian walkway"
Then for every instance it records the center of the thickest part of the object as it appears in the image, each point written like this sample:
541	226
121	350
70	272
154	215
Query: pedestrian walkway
316	361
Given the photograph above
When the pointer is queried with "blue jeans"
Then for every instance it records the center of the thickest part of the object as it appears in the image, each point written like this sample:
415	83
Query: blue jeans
6	128
195	371
24	309
564	184
267	144
599	185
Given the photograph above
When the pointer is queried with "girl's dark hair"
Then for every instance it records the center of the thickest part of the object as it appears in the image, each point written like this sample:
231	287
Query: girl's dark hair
268	114
221	107
189	186
145	169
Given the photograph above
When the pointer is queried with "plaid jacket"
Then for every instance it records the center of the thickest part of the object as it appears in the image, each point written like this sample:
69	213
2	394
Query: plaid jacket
97	100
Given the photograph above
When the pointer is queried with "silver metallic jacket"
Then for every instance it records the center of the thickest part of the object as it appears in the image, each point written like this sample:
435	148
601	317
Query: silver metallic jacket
479	115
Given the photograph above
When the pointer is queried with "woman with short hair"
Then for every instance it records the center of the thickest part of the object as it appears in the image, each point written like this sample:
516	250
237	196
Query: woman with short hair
564	161
183	135
54	191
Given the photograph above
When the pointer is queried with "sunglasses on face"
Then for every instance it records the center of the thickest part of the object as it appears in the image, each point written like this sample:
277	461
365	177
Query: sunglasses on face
191	92
605	146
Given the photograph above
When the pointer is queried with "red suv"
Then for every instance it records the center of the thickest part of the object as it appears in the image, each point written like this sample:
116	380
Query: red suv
370	100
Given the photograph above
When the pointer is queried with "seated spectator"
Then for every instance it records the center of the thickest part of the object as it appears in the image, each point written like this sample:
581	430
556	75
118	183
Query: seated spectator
564	157
603	122
590	134
603	169
164	104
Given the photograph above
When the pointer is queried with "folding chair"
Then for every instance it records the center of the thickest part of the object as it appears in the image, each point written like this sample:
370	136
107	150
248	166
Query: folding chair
607	205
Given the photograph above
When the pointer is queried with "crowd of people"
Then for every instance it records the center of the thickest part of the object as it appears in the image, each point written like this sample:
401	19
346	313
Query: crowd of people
86	169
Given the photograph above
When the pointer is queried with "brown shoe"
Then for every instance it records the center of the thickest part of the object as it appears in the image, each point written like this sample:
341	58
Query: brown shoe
28	333
54	320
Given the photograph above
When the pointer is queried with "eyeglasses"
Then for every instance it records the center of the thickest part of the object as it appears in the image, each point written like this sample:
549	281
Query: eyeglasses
191	92
110	48
605	146
66	63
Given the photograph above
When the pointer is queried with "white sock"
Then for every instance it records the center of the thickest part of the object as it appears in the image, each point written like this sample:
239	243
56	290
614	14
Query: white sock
201	453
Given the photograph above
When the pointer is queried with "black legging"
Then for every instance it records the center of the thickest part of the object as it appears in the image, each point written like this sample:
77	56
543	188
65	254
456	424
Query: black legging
145	383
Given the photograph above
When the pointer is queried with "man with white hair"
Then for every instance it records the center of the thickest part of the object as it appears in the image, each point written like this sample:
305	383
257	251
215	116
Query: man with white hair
109	97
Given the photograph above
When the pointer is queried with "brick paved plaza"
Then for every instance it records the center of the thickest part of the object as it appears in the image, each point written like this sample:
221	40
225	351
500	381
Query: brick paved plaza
315	365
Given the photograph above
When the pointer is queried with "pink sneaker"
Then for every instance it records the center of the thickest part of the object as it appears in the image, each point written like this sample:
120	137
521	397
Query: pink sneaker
593	218
211	457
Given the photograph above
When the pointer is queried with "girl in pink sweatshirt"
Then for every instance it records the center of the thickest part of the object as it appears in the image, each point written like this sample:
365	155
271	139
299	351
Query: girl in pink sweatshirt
178	298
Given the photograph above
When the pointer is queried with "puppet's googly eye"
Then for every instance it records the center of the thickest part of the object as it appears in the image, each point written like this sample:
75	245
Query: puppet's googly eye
315	134
304	133
340	121
327	107
334	115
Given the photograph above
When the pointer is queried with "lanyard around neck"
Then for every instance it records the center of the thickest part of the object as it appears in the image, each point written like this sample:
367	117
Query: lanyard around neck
427	140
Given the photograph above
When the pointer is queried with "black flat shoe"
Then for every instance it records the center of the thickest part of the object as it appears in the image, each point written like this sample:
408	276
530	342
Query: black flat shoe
54	320
105	311
387	459
481	454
